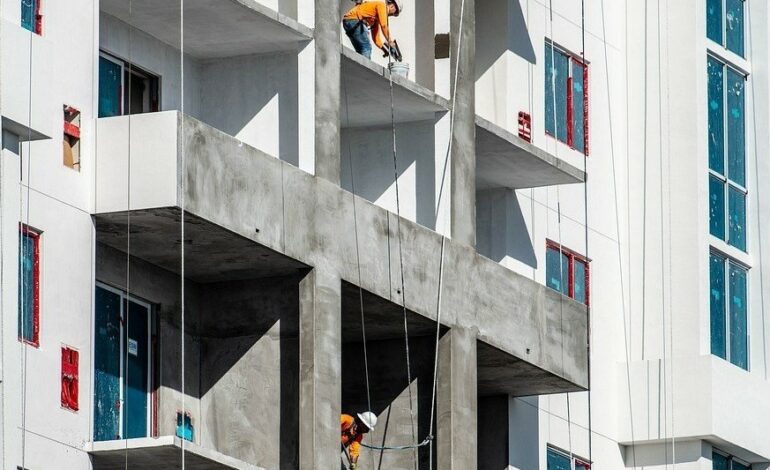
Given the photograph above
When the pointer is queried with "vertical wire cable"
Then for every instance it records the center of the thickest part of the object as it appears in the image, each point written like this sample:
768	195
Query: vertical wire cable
125	305
182	217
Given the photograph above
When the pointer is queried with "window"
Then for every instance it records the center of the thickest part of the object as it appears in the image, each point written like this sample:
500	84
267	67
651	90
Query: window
31	19
721	461
69	378
125	88
724	23
560	460
184	427
29	286
566	97
727	153
566	272
729	310
71	144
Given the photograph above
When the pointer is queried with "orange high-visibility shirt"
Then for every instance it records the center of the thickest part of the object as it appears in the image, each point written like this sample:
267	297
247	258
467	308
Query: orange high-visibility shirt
375	15
352	444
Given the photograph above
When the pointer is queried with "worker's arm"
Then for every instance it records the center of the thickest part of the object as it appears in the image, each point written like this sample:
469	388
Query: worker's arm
354	451
381	25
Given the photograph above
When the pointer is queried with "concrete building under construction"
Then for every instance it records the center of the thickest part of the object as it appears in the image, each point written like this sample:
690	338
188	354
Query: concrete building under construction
221	228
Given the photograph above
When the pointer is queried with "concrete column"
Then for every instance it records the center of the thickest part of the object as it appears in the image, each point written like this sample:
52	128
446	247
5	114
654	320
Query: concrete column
320	353
462	40
457	401
327	89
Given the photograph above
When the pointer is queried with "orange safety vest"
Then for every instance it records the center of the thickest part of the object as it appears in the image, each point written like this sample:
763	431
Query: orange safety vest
349	441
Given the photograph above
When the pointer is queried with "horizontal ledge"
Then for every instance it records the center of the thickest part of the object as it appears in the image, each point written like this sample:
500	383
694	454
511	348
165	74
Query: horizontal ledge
24	132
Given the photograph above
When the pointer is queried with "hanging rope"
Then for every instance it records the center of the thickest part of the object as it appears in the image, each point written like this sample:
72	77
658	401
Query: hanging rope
182	201
125	305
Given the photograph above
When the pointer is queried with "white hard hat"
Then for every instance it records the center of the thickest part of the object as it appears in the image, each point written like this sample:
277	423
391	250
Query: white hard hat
399	6
369	419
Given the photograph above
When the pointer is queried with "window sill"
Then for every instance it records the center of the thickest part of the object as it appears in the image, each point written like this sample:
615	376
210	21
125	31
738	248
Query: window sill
731	252
729	57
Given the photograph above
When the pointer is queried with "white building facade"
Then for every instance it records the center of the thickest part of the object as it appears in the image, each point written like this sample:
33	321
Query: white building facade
610	151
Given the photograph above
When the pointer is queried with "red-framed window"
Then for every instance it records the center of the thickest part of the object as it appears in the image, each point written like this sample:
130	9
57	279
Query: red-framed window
69	378
29	286
31	18
557	459
568	272
566	97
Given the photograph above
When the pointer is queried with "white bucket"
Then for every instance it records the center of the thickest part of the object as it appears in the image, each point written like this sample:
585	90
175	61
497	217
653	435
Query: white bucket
399	68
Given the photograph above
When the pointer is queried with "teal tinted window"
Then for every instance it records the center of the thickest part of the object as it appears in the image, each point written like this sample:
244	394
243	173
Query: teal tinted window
714	20
716	207
717	301
29	9
110	83
556	78
558	461
716	121
719	462
29	285
736	127
739	334
737	217
740	466
578	109
556	270
580	282
734	25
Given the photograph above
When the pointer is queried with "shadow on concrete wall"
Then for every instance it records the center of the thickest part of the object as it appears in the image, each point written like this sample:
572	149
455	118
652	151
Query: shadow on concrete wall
368	171
254	98
502	229
490	44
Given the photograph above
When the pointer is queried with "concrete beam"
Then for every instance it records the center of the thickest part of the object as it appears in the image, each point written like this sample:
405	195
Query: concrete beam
463	158
320	365
328	62
457	401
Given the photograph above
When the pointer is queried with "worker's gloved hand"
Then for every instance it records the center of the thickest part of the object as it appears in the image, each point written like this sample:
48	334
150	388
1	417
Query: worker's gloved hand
353	466
385	51
395	54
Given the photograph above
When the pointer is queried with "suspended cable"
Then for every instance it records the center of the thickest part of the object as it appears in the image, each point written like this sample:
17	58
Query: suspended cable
124	306
182	200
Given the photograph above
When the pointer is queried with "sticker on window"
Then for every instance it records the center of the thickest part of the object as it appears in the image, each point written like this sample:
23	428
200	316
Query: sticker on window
133	347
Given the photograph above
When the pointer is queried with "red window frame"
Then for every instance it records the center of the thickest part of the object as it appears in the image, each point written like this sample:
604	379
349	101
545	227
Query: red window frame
573	257
70	359
27	231
574	61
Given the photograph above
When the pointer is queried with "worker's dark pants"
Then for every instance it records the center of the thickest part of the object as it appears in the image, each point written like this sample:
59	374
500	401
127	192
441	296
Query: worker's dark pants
359	36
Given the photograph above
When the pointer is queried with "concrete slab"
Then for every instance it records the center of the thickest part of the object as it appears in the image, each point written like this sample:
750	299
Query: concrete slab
213	28
162	453
505	160
24	132
366	87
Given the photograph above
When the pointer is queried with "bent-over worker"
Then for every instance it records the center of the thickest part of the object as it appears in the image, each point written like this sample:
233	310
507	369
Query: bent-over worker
353	430
371	16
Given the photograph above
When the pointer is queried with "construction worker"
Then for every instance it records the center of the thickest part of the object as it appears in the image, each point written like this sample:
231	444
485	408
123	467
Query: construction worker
353	430
371	16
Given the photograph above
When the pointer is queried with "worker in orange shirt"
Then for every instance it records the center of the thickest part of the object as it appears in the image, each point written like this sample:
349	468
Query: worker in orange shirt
353	430
371	16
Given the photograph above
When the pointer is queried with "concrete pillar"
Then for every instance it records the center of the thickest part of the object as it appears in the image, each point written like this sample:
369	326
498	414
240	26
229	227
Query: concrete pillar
463	156
457	401
320	352
327	89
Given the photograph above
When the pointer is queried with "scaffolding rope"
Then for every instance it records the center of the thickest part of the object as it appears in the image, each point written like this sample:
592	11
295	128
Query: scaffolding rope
182	203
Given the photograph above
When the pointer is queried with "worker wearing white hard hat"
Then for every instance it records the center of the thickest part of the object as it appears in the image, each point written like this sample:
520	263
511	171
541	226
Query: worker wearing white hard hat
371	16
353	431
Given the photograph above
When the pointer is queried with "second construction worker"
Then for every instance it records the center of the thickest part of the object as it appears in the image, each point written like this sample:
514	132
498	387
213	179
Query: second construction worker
371	16
352	433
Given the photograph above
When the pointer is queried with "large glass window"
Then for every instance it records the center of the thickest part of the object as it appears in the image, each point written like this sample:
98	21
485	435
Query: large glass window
727	153
724	23
31	19
124	88
29	286
567	272
566	98
729	310
560	460
723	461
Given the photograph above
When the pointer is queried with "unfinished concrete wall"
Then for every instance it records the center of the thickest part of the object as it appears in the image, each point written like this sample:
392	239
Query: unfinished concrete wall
254	98
249	364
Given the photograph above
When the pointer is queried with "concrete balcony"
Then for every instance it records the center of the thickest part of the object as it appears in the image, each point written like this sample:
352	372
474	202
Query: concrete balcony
365	92
160	453
531	340
505	160
222	28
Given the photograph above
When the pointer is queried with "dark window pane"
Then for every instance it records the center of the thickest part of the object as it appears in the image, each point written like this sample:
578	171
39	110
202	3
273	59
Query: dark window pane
28	10
734	25
27	248
558	461
556	76
110	83
552	269
716	207
578	112
565	273
580	281
716	115
737	217
717	300
719	461
740	466
714	20
739	339
736	127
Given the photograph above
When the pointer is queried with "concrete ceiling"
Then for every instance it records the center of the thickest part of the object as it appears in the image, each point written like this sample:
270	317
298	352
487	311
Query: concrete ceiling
366	87
504	160
213	28
211	253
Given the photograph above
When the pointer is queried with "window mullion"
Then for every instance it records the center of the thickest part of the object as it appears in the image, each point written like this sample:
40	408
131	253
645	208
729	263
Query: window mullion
728	355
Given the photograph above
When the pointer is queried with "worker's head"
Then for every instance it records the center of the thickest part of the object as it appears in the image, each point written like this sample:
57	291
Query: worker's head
365	422
395	7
